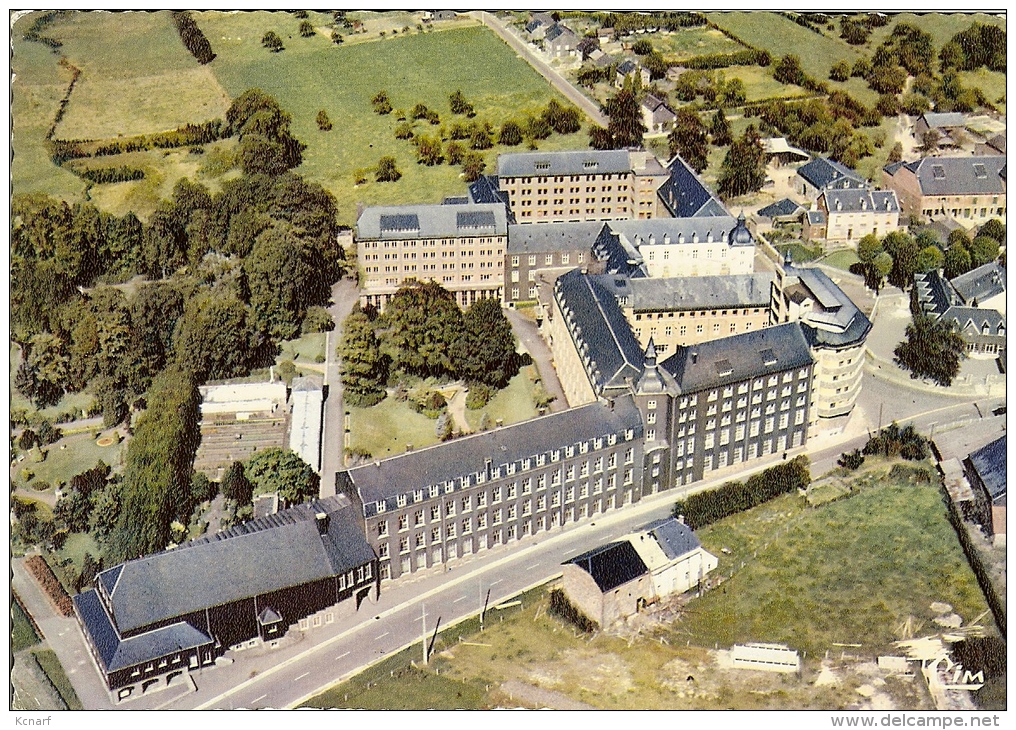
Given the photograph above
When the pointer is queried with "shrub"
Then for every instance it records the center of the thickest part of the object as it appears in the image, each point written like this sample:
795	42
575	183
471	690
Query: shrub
479	396
733	497
851	459
428	402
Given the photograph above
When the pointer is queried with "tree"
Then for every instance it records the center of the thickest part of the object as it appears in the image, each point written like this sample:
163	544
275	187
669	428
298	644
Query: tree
744	167
363	368
282	281
337	38
538	127
933	349
455	153
788	70
688	139
880	268
156	479
719	130
381	103
272	42
887	105
386	170
323	122
562	119
854	30
930	141
480	138
642	47
904	252
511	134
460	105
930	258
306	29
993	229
914	104
957	261
625	124
43	374
983	250
473	166
280	470
599	138
266	143
428	149
486	352
214	337
419	324
840	71
895	154
235	485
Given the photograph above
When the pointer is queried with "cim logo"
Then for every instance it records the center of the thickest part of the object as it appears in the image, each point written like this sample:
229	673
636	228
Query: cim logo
962	678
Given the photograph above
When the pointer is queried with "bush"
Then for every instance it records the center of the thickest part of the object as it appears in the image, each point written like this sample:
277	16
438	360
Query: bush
561	607
733	497
893	441
851	460
479	396
428	402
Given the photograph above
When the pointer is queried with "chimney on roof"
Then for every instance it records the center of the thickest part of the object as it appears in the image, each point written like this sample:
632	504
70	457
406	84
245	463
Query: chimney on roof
694	356
839	205
680	518
864	203
322	519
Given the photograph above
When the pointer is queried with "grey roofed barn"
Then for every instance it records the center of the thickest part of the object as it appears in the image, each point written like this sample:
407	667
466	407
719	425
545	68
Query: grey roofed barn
388	479
982	283
544	164
745	356
257	557
611	565
780	209
432	221
675	538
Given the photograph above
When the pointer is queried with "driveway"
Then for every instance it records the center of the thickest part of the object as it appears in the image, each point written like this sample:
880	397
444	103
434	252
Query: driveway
533	343
344	296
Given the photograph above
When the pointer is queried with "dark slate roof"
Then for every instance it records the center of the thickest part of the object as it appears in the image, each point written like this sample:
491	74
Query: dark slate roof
834	320
675	538
933	293
746	355
685	195
547	237
660	231
436	465
611	565
856	201
989	462
692	292
582	162
780	209
894	167
821	173
455	200
959	175
431	221
257	557
997	142
626	67
116	653
618	254
599	330
816	217
981	283
973	321
557	30
936	120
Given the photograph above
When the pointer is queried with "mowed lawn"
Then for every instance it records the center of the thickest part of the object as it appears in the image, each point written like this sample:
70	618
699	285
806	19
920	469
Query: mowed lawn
512	404
314	74
385	429
850	571
136	78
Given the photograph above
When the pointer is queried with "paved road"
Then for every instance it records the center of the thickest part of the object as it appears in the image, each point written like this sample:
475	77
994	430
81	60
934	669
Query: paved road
558	81
531	339
344	297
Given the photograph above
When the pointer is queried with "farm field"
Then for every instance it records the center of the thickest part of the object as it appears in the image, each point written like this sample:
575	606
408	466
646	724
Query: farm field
314	74
941	26
688	42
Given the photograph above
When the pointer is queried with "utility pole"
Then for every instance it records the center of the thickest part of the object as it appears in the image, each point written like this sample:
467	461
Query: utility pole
424	633
880	405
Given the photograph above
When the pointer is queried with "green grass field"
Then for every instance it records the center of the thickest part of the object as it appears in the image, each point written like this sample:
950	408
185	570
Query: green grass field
81	454
22	633
841	259
850	571
992	83
687	42
511	404
313	74
801	254
385	429
941	26
305	349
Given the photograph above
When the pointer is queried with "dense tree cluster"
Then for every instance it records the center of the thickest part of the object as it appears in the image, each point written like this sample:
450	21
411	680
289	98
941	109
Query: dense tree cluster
272	42
977	46
893	441
707	507
689	139
193	39
424	333
282	471
155	489
266	144
715	89
933	349
626	23
745	57
744	167
625	127
964	254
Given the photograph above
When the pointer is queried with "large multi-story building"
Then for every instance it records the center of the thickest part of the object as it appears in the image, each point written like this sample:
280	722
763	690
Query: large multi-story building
836	331
538	254
969	190
687	310
545	187
460	246
850	215
426	507
150	621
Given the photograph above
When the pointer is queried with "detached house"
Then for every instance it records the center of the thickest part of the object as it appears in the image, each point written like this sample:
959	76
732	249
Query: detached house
657	116
851	215
630	68
560	42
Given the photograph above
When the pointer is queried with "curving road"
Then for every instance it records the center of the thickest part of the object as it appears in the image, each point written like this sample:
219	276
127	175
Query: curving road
556	80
